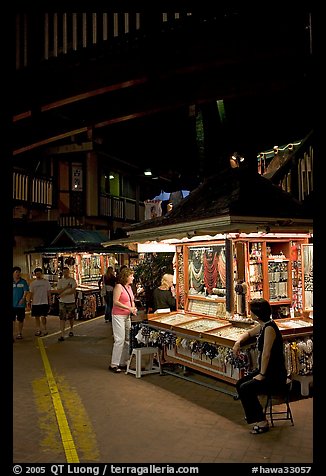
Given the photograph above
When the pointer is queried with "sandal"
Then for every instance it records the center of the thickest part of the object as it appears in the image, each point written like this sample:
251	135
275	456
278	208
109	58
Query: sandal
45	333
257	430
19	336
38	333
71	334
116	370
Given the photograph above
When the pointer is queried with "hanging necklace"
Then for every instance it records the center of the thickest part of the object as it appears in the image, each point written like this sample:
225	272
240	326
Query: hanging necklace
196	276
210	271
222	268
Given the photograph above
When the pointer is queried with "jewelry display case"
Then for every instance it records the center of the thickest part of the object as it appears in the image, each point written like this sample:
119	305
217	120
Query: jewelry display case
277	269
295	325
203	330
205	279
185	328
170	320
208	349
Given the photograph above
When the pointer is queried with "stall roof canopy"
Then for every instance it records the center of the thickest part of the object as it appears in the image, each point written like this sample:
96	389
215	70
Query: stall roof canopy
76	236
74	239
235	200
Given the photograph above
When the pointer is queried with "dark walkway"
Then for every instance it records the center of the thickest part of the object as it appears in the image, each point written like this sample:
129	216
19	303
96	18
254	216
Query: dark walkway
120	419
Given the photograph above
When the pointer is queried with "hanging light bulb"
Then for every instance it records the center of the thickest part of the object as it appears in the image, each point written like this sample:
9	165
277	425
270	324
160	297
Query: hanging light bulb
236	159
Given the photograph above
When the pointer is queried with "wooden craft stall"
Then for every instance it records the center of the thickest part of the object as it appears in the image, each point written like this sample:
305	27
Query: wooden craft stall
87	259
237	237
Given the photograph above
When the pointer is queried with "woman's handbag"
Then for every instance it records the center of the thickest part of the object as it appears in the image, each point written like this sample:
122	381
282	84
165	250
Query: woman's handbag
141	316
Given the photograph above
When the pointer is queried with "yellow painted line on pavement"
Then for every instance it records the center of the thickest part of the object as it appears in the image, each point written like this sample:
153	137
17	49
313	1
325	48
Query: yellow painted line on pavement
66	436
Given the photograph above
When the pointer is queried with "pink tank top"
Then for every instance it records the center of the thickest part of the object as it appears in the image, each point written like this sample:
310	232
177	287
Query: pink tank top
124	299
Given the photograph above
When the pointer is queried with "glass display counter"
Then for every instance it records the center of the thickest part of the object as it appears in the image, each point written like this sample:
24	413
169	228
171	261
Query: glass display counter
205	344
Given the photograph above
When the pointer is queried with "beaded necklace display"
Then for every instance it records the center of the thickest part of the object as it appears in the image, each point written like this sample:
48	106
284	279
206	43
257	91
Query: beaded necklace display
196	271
222	267
181	281
210	271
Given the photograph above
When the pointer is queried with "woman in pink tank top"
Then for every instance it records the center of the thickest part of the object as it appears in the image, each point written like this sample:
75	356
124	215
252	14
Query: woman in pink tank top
123	307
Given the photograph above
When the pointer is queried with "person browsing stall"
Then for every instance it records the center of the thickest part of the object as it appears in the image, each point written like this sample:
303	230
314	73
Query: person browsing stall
106	285
19	295
40	298
164	295
270	375
123	307
67	301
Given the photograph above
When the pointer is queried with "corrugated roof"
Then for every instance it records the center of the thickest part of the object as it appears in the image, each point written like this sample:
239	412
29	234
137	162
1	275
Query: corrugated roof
78	237
77	240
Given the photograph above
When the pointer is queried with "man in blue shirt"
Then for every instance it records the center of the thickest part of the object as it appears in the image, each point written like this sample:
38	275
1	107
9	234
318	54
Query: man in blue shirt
20	290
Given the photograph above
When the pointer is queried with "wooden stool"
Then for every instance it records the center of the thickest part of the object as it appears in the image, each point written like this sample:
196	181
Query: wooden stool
282	398
150	367
305	382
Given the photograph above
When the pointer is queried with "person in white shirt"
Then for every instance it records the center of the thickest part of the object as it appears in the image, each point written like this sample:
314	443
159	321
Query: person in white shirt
40	289
67	302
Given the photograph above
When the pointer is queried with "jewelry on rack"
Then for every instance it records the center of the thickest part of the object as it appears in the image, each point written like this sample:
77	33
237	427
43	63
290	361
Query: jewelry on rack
210	270
222	267
196	271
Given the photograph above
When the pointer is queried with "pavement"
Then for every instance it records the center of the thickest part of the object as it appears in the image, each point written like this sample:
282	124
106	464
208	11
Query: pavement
67	407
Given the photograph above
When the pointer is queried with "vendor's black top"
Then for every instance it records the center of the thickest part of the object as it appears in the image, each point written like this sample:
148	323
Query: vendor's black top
110	280
163	299
275	373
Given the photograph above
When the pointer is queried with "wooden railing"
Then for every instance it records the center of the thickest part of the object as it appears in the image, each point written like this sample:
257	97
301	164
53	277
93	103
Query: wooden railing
298	177
293	170
120	208
49	35
67	221
31	189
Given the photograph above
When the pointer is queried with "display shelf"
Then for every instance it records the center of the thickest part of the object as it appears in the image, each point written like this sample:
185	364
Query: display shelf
168	321
201	325
278	250
222	339
230	332
226	335
295	325
278	277
255	270
307	277
210	273
207	307
297	322
280	325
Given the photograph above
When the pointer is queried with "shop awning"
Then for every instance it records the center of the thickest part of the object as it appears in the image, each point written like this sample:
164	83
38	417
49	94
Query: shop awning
77	240
78	237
